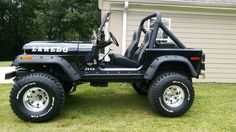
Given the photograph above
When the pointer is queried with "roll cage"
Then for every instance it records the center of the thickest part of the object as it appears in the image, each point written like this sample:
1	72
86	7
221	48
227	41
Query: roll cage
157	26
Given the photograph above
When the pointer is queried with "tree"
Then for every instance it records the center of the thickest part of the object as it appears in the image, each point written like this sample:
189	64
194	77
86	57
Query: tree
22	21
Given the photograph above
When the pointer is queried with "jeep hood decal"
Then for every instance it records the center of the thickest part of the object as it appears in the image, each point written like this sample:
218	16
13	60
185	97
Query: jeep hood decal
43	47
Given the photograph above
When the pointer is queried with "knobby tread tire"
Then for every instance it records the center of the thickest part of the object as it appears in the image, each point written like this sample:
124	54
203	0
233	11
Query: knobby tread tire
51	84
157	88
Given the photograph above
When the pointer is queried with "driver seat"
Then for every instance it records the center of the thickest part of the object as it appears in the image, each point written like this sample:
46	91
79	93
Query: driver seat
133	46
130	50
136	58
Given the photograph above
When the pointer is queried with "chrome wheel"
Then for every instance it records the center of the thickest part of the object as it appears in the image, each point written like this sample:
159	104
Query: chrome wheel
173	96
36	99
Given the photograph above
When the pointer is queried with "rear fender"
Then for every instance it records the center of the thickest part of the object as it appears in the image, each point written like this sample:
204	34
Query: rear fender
47	60
150	73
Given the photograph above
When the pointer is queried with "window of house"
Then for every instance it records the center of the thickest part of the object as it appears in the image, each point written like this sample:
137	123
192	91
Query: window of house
161	36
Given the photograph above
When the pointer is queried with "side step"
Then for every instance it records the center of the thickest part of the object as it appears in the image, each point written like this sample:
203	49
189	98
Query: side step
109	76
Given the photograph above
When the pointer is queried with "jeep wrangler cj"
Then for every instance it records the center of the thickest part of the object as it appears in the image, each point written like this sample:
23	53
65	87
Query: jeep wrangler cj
48	70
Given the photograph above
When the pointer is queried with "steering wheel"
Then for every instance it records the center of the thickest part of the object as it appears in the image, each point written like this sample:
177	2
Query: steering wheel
113	39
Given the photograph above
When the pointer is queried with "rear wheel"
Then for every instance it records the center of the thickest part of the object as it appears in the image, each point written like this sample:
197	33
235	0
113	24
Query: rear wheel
171	94
37	97
140	87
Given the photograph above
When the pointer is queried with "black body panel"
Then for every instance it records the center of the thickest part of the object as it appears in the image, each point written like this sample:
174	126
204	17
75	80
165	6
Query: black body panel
111	76
38	60
152	54
154	66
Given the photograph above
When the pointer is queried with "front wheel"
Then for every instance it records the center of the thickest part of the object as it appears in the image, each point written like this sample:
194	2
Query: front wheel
171	94
37	97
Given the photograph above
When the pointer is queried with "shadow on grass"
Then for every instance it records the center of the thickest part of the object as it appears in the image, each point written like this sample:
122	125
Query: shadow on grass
99	102
109	101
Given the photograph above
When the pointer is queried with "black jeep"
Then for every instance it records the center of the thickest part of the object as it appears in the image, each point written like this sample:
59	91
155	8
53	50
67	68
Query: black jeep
48	70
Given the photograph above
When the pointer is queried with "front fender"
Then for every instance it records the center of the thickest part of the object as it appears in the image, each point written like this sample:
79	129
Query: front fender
47	59
150	73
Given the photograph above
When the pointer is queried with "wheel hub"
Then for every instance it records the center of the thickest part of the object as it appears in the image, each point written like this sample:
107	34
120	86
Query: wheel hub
36	99
173	96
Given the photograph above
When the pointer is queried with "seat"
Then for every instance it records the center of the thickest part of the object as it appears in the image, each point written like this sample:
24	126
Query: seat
133	46
138	55
130	50
133	62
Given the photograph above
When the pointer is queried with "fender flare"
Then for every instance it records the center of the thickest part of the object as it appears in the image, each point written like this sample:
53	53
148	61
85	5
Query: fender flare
47	59
150	72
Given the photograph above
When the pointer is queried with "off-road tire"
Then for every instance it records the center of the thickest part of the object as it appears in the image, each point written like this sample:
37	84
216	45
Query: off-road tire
164	82
39	86
140	88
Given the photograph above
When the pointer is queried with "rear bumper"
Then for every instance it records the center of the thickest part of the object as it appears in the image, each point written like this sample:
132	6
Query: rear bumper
203	67
203	62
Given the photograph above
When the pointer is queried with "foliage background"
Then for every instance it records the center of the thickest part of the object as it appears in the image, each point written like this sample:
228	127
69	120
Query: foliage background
22	21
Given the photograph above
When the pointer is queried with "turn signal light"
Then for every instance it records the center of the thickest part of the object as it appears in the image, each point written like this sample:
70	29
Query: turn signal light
26	57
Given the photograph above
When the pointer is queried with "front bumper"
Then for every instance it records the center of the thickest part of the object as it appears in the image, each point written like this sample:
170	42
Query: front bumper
10	75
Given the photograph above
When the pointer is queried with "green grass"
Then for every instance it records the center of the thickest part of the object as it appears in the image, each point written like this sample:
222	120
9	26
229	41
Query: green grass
5	63
119	108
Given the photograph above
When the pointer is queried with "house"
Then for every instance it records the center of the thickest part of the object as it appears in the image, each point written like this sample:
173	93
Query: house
206	24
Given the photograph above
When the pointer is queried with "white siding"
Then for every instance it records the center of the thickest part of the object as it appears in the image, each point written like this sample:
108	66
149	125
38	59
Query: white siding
216	35
133	21
115	26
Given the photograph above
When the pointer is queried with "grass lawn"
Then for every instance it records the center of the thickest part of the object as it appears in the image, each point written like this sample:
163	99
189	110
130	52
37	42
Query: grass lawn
5	63
119	108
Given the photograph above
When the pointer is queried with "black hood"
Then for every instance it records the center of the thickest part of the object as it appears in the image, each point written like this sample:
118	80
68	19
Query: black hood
52	47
